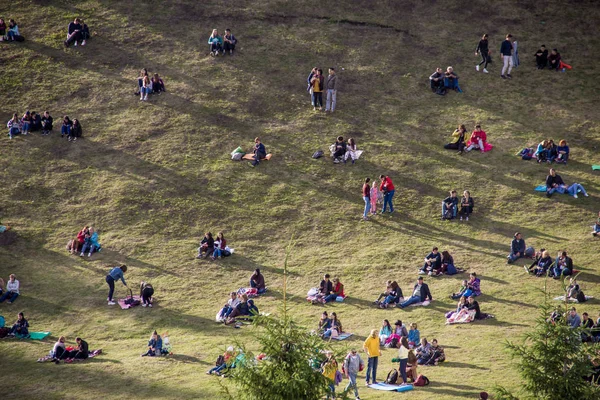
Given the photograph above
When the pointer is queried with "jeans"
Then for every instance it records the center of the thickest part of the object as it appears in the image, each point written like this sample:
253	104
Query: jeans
574	188
558	271
111	287
542	155
508	64
331	100
352	384
65	130
551	191
14	130
318	99
445	208
87	247
478	145
451	83
26	126
389	299
387	199
403	363
217	253
253	285
512	257
367	206
331	391
372	369
218	368
330	297
411	300
11	296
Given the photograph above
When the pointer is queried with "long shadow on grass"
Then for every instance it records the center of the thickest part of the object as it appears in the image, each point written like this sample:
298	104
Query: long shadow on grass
248	264
455	364
505	301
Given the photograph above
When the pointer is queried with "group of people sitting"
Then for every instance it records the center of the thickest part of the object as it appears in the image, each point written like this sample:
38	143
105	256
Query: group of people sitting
221	44
441	81
78	32
450	206
555	184
215	248
437	264
85	242
342	151
10	291
544	265
548	151
32	121
553	60
391	337
239	305
329	326
477	140
155	346
574	320
392	296
148	85
62	352
9	32
328	290
467	310
470	287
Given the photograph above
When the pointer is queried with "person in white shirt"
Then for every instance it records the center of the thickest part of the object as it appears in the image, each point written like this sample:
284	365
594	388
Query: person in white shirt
12	290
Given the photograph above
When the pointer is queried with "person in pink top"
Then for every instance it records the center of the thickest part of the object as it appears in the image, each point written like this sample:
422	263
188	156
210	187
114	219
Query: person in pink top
478	140
373	198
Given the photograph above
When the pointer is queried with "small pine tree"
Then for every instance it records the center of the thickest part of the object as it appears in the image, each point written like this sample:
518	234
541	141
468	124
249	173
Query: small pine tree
553	360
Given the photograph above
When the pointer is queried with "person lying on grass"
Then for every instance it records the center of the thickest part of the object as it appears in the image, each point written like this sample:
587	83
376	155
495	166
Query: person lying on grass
393	297
207	246
154	345
12	290
20	328
257	281
335	327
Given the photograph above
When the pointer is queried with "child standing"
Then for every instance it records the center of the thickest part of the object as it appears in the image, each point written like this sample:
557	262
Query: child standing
374	197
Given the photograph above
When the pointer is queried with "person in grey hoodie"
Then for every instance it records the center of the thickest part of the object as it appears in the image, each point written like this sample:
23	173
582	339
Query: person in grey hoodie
331	85
352	365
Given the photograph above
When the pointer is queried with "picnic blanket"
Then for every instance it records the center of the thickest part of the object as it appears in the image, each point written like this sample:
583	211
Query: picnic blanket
595	167
390	388
541	188
562	298
50	357
126	306
423	303
250	292
342	336
38	335
251	157
464	317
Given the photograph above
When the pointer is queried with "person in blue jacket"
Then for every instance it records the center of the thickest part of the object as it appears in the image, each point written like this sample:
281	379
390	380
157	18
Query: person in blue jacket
517	248
260	152
450	204
90	244
215	41
114	275
154	345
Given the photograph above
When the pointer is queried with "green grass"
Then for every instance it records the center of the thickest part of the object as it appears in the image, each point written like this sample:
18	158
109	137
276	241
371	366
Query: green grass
152	177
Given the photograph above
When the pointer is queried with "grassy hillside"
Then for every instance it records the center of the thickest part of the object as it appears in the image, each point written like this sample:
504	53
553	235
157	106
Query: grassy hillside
153	176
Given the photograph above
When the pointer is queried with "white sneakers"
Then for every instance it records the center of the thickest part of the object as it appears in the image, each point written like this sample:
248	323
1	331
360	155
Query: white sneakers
83	43
477	68
485	70
111	303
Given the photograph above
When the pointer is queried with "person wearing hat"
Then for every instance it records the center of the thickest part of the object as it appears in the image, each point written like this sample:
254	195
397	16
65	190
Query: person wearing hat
420	294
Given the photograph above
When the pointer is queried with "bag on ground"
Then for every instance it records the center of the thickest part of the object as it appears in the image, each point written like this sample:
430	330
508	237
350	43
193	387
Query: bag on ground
581	297
318	154
392	377
422	380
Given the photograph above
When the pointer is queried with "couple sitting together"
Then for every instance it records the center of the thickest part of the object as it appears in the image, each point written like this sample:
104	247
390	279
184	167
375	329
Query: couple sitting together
471	287
441	81
215	248
555	184
86	242
148	85
341	151
477	140
78	31
62	352
393	295
329	327
544	265
450	206
238	306
327	291
221	44
467	310
436	264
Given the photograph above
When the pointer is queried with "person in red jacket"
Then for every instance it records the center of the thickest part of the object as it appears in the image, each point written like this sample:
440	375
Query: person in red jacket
478	139
387	187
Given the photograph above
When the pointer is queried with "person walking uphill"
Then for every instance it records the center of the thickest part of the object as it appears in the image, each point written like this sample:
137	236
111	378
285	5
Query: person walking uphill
387	187
506	52
331	85
371	347
483	49
114	275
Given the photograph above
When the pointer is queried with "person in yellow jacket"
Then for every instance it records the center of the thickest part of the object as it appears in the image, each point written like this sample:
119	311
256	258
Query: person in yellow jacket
458	139
330	368
371	347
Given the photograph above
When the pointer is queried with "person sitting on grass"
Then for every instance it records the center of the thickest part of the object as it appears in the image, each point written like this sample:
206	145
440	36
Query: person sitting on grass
220	244
14	126
385	332
91	243
517	248
2	30
541	153
76	130
436	80
451	79
244	309
433	262
420	294
324	323
12	290
114	275
541	267
553	182
460	307
471	287
36	121
458	139
85	32
573	319
400	329
477	140
350	150
552	150
563	266
13	30
461	292
66	127
222	362
450	206
232	303
541	57
76	245
59	350
562	152
207	246
554	60
215	43
393	297
596	227
154	345
335	327
20	328
157	84
229	42
388	289
257	281
414	336
473	305
573	289
339	150
338	291
423	350
146	293
447	264
75	33
26	123
325	289
436	356
259	151
81	352
1	286
146	88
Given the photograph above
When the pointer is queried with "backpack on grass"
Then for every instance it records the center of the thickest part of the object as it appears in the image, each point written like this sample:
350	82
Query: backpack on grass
392	377
581	297
422	380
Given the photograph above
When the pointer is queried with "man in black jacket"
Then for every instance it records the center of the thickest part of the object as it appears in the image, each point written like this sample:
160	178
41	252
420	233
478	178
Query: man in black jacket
420	294
450	203
541	57
553	182
517	248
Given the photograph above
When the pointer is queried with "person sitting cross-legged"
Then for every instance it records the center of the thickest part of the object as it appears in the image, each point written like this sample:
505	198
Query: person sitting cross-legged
517	248
433	262
451	80
20	328
420	294
259	151
436	80
563	266
450	206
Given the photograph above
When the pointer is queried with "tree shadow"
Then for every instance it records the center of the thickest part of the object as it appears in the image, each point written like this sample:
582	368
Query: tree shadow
186	359
505	301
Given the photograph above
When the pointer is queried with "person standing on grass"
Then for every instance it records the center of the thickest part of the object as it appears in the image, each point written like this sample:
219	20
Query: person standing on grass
331	84
387	187
366	192
371	347
506	52
309	87
483	49
318	83
352	365
114	275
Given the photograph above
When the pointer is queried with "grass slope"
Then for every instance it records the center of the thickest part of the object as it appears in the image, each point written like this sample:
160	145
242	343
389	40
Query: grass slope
154	176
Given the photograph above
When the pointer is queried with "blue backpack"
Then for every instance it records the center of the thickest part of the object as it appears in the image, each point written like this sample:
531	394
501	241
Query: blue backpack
2	321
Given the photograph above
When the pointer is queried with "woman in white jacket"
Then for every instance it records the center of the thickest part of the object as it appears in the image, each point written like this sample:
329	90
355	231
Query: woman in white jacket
12	290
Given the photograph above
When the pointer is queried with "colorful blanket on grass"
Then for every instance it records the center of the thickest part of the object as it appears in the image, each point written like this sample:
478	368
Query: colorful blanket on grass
390	388
562	298
342	336
464	316
126	306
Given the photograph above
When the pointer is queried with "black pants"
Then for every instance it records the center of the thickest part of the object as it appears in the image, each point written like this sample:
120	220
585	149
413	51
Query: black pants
111	287
541	61
318	99
484	59
257	157
339	153
73	37
555	66
455	146
215	47
436	84
229	46
146	295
